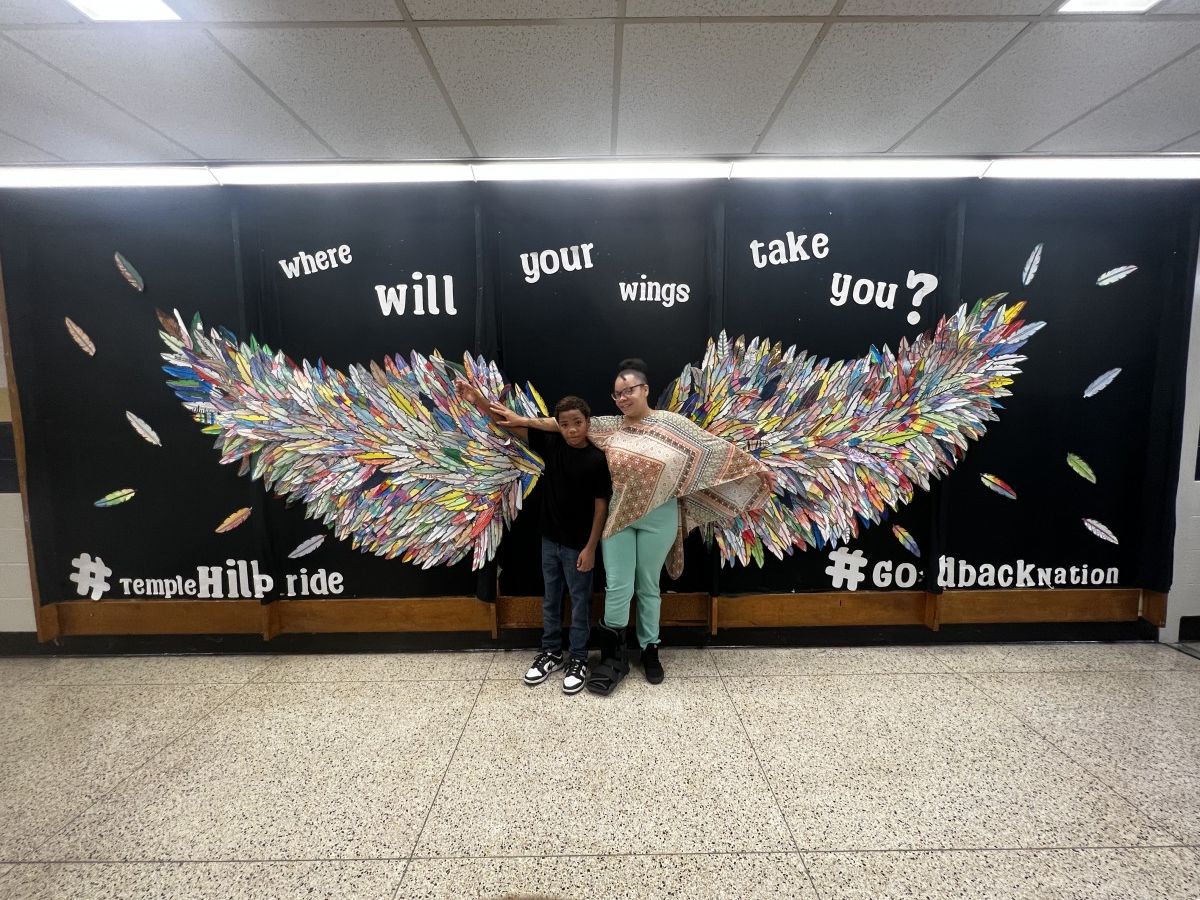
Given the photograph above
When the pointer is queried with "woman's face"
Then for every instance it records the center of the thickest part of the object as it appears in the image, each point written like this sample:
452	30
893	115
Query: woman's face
630	392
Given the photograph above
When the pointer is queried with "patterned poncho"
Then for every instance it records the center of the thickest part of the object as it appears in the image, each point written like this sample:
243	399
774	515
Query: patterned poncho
666	456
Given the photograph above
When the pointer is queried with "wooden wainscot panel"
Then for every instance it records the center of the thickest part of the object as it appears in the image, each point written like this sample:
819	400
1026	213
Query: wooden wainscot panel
1154	608
117	617
369	615
840	608
983	607
677	609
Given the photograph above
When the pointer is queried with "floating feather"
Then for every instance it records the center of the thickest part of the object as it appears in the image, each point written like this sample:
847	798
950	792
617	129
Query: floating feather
1101	383
1031	264
125	267
1082	469
124	495
1100	531
79	336
906	540
1115	275
143	430
233	520
307	547
997	485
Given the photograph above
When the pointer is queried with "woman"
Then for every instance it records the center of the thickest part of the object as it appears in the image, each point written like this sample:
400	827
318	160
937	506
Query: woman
668	476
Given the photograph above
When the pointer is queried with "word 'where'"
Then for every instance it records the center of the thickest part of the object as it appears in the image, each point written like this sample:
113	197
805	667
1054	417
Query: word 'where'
424	296
308	263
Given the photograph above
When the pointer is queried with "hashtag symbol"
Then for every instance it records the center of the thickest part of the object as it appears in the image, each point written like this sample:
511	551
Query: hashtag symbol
90	575
847	568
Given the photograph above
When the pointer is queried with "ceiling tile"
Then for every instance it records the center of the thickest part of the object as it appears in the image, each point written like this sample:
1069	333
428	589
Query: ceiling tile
1177	6
688	88
525	90
728	7
182	83
1054	72
284	10
32	12
1192	144
1159	111
13	151
366	91
868	84
946	7
512	9
45	108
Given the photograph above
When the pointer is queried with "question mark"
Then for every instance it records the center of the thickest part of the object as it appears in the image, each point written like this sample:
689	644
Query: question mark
928	284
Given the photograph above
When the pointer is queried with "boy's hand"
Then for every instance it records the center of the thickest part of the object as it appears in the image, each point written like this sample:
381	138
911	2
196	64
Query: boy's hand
587	560
466	389
505	416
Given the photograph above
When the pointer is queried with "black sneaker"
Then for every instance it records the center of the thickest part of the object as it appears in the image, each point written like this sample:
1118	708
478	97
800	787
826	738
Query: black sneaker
651	665
576	676
543	664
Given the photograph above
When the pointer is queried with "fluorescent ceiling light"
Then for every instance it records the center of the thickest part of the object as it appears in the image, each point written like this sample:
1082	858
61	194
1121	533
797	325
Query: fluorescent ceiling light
126	10
615	170
859	168
1107	6
341	173
1165	167
104	176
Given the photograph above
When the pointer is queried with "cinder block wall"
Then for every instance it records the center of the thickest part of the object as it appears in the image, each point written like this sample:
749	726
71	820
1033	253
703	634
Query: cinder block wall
16	595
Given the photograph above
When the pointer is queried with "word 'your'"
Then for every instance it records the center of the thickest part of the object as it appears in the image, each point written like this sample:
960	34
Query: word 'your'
548	261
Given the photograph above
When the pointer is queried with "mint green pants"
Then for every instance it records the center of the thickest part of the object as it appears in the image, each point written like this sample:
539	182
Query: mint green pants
633	561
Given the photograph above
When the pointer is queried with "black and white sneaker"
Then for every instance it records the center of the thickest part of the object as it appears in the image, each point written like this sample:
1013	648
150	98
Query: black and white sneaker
543	664
576	676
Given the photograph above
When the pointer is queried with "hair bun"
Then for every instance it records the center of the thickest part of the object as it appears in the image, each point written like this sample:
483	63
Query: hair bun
632	365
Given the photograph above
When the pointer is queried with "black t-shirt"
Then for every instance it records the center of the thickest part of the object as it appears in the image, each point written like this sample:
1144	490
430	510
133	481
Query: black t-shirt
574	478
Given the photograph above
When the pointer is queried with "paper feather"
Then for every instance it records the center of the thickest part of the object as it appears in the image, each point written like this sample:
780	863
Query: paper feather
1115	275
130	274
307	547
1101	383
233	520
79	336
1082	469
124	495
144	431
1100	531
1031	264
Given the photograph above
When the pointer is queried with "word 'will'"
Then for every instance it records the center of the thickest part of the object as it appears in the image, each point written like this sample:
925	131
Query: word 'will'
779	254
548	261
654	292
307	263
424	296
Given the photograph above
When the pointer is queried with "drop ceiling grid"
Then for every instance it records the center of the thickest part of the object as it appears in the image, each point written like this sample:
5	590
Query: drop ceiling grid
869	84
1051	74
183	83
526	90
686	88
45	108
367	92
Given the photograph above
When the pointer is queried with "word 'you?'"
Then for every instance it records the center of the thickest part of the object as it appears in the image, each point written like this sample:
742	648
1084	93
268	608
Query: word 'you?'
308	263
882	294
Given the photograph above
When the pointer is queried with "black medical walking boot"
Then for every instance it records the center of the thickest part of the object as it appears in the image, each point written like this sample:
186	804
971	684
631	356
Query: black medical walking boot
614	660
650	664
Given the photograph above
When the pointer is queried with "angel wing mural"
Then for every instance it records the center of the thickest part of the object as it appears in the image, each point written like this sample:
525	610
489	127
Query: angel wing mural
392	459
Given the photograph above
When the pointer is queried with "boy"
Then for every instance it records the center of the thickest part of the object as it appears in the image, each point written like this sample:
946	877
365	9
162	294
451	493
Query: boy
574	492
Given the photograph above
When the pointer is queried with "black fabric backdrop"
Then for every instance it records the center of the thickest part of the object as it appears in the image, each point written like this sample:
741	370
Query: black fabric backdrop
217	251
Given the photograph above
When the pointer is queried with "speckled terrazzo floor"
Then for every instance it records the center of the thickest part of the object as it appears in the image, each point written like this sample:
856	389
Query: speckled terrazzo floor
1055	771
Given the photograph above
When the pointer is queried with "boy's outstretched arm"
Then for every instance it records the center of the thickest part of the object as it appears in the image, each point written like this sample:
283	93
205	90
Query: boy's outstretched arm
473	395
506	418
587	556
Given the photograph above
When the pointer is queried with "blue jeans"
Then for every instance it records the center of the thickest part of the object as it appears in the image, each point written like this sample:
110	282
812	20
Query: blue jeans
558	566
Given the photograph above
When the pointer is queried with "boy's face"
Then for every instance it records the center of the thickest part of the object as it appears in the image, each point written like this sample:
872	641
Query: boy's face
574	427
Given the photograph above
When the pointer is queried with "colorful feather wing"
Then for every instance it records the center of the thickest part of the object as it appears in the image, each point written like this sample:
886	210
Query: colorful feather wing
390	457
849	441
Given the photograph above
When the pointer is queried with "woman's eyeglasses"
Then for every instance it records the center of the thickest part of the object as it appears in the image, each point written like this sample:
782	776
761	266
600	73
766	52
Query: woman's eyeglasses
627	392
